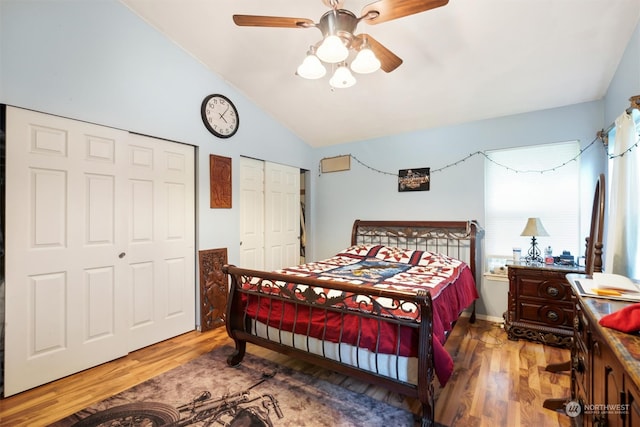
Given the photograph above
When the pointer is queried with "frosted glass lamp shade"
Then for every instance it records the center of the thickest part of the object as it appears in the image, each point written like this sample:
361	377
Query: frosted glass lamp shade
311	68
342	78
332	50
365	62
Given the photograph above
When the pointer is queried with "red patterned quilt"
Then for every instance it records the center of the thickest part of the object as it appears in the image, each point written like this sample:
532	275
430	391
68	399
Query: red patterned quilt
448	280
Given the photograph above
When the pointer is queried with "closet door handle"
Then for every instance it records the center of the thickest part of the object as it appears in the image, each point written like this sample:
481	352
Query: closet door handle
122	255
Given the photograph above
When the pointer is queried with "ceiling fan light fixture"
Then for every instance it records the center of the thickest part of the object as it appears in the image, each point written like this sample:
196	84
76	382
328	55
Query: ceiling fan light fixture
332	50
311	67
365	62
338	28
342	78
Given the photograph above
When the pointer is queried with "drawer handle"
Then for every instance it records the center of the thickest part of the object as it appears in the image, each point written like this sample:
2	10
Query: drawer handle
553	291
552	315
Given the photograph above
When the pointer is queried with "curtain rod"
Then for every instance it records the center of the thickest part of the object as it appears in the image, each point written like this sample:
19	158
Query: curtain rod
603	134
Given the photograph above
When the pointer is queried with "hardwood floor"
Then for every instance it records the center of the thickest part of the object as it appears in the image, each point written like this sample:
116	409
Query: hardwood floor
496	382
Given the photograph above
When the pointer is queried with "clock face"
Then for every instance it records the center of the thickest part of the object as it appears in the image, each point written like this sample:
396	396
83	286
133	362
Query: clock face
220	116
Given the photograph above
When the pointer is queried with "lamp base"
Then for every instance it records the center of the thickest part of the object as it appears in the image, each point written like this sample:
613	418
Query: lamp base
533	260
534	255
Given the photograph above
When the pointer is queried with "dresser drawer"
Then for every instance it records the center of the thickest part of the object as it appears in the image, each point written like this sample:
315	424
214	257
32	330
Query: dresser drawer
545	314
551	289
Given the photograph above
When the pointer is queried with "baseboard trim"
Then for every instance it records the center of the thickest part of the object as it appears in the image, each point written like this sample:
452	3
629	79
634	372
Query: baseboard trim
486	317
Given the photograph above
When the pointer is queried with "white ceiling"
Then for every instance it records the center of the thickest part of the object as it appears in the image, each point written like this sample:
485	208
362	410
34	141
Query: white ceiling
466	61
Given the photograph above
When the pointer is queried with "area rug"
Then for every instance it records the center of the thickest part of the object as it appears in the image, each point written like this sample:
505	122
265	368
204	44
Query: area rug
257	393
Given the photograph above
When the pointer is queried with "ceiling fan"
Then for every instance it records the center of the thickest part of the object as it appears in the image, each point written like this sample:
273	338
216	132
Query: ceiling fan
338	26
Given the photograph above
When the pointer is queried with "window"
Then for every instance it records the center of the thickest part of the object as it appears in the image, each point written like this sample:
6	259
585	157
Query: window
533	181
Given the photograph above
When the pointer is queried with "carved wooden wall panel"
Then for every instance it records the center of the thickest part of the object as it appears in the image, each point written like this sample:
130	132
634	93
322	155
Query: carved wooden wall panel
214	285
220	181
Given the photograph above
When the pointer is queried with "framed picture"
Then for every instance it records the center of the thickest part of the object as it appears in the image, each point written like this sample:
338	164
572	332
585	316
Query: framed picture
220	181
414	179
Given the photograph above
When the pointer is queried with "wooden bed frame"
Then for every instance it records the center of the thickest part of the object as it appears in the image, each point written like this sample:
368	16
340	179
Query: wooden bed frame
456	239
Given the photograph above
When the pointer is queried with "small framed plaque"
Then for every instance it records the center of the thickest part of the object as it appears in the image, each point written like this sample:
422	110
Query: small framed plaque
414	179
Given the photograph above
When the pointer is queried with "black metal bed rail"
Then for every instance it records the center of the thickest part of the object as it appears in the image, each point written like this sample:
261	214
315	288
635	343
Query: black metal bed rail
363	303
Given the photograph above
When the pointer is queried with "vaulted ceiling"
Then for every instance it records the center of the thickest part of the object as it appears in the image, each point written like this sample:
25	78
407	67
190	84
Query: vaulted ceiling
465	61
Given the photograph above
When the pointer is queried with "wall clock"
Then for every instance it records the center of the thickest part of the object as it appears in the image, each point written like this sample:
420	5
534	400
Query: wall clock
220	116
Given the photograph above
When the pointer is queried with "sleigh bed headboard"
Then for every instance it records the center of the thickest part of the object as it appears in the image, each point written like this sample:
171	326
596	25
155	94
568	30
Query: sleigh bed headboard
456	239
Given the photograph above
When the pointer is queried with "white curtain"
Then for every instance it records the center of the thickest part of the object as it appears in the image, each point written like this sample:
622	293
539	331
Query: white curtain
621	244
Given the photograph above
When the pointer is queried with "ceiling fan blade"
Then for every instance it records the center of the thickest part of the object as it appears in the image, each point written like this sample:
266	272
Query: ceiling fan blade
389	61
387	10
272	21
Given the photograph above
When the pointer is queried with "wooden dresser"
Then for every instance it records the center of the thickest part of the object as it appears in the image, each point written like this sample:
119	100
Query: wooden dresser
605	366
540	306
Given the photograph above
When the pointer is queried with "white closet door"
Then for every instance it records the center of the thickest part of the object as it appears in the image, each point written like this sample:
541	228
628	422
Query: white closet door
161	240
99	245
251	213
270	215
65	284
282	216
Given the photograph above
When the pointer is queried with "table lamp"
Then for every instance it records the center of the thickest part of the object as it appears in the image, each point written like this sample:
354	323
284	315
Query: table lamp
534	228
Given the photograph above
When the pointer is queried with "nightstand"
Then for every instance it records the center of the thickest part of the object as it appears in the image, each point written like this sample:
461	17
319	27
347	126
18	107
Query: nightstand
540	306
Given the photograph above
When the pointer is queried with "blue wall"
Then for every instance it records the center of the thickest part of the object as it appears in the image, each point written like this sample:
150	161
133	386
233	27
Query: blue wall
457	192
626	81
97	61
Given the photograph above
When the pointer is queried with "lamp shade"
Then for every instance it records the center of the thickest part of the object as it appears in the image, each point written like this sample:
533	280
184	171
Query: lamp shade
342	78
332	50
311	68
365	62
534	227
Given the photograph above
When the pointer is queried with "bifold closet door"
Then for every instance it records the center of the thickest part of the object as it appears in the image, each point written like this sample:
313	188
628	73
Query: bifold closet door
251	213
269	215
160	255
80	205
282	216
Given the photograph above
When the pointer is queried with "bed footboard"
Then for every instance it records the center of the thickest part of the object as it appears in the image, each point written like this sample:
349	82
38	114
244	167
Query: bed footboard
281	306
